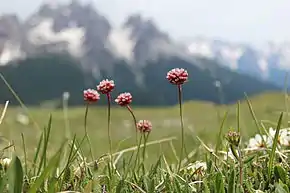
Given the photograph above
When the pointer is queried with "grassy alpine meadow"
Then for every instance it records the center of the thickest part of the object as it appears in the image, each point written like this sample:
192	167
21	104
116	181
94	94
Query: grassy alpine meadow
191	147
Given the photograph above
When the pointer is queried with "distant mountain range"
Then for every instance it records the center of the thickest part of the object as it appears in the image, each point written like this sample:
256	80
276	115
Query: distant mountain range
137	54
270	63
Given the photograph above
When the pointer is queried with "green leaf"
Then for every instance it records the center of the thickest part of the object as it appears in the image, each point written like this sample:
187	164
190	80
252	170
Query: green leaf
280	173
232	182
219	183
249	159
15	176
275	142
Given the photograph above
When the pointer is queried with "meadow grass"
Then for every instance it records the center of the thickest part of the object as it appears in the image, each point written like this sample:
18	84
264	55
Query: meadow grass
201	118
202	122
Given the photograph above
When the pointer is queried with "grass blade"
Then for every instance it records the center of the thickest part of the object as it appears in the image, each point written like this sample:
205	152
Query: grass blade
275	142
45	145
219	139
24	152
255	119
19	100
4	112
36	155
51	168
219	183
238	117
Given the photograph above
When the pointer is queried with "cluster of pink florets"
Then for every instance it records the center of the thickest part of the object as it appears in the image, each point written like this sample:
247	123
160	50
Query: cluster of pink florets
91	95
177	76
106	86
144	126
124	99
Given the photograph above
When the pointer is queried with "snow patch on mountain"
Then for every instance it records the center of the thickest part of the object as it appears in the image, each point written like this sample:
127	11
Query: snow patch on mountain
228	54
120	39
43	34
10	52
203	49
231	55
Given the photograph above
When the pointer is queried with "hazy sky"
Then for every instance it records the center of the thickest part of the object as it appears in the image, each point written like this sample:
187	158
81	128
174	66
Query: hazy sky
254	21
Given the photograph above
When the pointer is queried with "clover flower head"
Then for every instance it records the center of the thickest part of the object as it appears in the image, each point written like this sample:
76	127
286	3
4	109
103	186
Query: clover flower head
144	126
106	86
233	138
91	95
124	99
177	76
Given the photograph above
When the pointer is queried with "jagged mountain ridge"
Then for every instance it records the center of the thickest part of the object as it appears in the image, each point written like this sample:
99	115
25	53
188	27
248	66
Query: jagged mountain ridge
78	29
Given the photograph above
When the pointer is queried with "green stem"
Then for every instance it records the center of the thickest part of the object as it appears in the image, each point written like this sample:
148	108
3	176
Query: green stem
144	148
137	155
109	128
181	124
136	134
241	167
135	122
86	115
86	132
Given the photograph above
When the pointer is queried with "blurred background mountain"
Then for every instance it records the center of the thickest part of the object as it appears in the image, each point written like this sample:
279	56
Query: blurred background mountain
67	47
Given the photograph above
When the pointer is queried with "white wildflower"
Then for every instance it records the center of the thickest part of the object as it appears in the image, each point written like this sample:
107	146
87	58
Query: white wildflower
283	137
5	162
197	168
260	142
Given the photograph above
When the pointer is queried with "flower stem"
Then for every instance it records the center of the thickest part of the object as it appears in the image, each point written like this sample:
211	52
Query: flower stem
136	133
137	155
181	124
135	122
109	126
86	116
144	148
241	167
86	131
